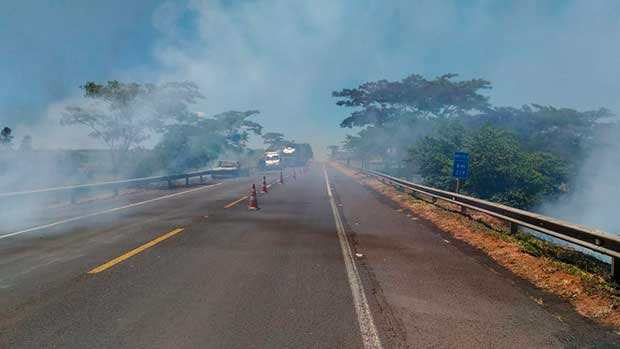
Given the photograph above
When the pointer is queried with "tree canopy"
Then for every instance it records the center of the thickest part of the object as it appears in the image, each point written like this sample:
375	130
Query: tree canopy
123	115
275	140
517	155
393	114
501	170
566	132
384	101
194	143
234	126
6	137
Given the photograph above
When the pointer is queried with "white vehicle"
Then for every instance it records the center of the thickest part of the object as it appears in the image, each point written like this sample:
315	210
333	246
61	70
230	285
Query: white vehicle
272	159
229	169
288	150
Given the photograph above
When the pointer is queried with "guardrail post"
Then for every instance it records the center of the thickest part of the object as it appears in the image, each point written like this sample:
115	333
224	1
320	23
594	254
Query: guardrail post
73	195
201	179
169	183
514	227
615	269
187	181
433	199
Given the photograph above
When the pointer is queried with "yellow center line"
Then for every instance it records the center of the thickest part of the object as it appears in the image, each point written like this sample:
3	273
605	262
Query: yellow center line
134	251
236	202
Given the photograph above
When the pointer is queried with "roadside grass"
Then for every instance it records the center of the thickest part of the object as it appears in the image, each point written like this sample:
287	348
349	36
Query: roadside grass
593	272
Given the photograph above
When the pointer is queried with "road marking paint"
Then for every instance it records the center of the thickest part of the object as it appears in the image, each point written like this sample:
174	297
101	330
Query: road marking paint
370	336
135	251
235	202
106	211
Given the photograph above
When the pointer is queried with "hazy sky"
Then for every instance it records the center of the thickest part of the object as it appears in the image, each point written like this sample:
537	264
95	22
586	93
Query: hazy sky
284	57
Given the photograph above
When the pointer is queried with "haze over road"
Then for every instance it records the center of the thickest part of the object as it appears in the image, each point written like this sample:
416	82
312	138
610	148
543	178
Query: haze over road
200	270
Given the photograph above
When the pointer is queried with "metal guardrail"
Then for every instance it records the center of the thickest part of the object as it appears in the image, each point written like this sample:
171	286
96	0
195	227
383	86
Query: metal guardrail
593	239
115	185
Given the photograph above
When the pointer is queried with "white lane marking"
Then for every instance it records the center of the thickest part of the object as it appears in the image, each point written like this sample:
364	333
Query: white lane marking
68	220
370	336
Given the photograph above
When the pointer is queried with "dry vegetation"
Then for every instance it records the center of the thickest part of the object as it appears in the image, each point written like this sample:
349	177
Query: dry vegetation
581	280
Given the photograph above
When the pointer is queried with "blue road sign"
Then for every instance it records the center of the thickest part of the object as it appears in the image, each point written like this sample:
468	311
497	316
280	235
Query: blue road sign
460	168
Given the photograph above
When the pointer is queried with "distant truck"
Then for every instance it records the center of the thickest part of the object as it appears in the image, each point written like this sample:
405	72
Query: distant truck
228	169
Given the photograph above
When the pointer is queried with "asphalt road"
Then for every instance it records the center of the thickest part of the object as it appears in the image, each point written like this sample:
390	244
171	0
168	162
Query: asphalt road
185	271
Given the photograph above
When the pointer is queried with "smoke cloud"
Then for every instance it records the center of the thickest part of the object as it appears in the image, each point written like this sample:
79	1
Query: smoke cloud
284	58
594	197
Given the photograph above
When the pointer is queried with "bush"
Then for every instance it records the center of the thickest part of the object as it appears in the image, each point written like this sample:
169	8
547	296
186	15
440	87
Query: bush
501	170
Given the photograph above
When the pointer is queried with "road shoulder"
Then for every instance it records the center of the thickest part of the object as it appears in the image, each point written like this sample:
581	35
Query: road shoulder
444	292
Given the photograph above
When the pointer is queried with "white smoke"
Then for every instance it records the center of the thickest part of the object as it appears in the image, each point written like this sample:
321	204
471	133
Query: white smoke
594	196
285	57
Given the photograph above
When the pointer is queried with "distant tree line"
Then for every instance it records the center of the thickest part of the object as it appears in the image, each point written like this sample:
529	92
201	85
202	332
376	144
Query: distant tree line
518	156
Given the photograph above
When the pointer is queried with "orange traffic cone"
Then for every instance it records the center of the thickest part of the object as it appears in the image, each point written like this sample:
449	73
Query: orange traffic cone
253	204
263	188
281	178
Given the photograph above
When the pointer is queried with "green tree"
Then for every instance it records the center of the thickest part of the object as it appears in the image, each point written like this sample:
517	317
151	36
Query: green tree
6	137
434	155
384	101
359	147
123	115
566	132
235	127
394	114
501	170
196	142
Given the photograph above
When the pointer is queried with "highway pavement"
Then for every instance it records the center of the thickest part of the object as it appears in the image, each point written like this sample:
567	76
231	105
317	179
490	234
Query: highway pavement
329	266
